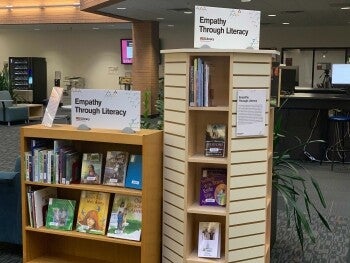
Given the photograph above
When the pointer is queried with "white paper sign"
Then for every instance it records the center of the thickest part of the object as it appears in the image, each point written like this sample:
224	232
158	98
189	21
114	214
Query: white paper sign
52	106
225	28
108	109
251	108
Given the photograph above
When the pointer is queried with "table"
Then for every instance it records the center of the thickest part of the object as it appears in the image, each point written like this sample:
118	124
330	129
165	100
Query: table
35	111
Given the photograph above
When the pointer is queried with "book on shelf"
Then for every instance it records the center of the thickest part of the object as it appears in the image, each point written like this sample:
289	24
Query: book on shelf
209	239
93	212
126	218
91	168
199	91
60	214
134	172
212	190
215	140
115	168
40	201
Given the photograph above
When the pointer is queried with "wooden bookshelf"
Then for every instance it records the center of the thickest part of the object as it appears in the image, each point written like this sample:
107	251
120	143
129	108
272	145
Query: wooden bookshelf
42	245
245	219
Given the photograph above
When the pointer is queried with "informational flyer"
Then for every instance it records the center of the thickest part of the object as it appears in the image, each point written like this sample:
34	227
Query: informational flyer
52	106
106	109
225	28
251	108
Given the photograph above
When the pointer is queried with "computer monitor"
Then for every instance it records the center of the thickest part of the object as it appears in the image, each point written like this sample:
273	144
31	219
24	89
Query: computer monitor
289	79
341	75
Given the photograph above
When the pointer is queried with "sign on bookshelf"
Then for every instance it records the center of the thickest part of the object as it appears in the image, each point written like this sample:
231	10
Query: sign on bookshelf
109	109
251	108
226	28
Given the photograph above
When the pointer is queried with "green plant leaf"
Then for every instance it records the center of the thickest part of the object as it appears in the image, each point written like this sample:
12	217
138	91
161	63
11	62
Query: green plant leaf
319	192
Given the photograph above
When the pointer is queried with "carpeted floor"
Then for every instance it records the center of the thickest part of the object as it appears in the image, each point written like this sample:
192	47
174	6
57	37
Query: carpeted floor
331	247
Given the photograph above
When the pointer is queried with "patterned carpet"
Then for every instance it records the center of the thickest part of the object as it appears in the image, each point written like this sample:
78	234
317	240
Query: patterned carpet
331	247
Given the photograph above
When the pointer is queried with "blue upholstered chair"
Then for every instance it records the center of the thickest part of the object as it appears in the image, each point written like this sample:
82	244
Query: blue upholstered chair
10	205
10	112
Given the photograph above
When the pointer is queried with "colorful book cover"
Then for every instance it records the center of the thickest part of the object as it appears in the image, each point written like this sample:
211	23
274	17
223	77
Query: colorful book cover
60	214
215	140
134	172
92	213
213	187
126	218
91	168
209	239
41	200
115	168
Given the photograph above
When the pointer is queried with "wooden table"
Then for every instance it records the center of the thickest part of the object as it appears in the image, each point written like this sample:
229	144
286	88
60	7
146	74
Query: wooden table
35	111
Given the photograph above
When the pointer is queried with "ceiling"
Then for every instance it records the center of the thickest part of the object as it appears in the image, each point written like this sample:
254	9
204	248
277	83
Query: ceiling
296	12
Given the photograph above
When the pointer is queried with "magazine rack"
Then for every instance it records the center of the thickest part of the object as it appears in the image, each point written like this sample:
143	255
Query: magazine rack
47	245
245	220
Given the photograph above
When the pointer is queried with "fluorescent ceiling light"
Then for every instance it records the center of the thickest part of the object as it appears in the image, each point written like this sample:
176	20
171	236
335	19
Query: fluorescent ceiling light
245	1
271	15
285	23
160	18
170	25
345	8
188	12
121	8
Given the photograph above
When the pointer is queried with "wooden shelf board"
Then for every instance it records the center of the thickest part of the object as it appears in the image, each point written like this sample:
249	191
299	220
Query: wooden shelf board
63	259
218	108
195	208
200	158
193	258
80	235
90	187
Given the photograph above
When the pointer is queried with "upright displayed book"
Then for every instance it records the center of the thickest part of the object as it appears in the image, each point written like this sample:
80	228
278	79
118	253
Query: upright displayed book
215	140
115	168
134	173
92	213
60	214
41	200
126	218
91	168
209	239
212	188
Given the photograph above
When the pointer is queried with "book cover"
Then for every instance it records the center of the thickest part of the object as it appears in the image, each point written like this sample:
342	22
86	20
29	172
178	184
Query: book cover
134	172
115	168
209	239
60	214
212	189
215	140
91	168
41	200
92	213
126	218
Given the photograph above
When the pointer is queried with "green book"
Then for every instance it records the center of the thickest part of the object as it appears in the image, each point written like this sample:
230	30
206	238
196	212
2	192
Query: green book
60	214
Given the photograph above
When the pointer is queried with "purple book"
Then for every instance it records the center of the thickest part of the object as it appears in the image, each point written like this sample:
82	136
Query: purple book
213	187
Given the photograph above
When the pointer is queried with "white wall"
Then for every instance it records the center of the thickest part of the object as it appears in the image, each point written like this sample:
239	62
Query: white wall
85	53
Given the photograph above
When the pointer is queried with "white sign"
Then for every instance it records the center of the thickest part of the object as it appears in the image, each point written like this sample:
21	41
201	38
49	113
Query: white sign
52	106
108	109
226	28
251	107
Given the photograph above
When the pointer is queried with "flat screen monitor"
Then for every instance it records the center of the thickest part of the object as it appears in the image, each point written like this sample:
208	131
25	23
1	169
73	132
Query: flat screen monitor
341	74
126	51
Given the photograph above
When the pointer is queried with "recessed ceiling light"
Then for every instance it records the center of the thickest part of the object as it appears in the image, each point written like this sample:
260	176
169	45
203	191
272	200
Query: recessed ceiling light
170	25
188	12
36	29
345	8
245	1
285	23
121	8
95	28
271	15
160	18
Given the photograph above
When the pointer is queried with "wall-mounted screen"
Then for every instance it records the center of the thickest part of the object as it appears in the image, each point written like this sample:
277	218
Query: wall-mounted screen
341	74
126	51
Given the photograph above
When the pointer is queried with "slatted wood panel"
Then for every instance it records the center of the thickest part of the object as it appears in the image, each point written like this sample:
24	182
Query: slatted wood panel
245	233
174	183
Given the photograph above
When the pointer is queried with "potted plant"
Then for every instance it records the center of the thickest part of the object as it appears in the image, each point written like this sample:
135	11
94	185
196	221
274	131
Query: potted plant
4	79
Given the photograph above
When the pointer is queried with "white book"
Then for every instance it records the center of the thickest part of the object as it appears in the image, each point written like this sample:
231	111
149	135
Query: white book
41	200
209	239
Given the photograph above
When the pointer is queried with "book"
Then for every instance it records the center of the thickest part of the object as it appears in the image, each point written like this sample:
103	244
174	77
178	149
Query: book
91	168
126	218
209	239
40	199
60	214
215	140
134	172
92	212
115	168
212	188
